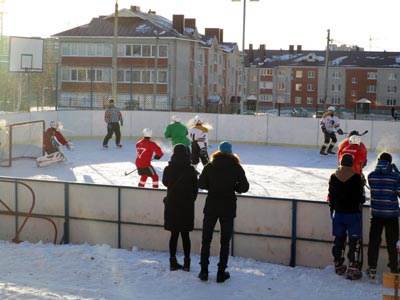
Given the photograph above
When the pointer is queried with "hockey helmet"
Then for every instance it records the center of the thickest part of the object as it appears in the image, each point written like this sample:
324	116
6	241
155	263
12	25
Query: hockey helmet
353	132
147	132
355	140
198	120
54	124
176	118
331	108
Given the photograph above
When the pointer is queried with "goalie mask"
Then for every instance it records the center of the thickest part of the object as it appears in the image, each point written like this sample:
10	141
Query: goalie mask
54	125
355	140
147	132
198	120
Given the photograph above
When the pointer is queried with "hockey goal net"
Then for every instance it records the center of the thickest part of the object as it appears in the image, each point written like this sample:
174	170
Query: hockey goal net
21	140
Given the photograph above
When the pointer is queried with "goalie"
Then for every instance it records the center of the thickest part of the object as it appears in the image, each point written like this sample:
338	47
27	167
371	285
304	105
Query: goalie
52	142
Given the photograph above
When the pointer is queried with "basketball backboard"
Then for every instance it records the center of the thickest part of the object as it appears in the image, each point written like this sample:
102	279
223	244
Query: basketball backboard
26	54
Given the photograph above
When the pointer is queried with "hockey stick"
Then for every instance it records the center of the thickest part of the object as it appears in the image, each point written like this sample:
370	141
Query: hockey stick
129	172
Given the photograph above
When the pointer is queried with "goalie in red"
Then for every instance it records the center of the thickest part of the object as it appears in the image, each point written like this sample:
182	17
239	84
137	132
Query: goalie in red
53	139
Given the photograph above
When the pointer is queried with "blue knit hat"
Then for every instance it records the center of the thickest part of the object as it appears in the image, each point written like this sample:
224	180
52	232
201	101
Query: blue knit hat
225	147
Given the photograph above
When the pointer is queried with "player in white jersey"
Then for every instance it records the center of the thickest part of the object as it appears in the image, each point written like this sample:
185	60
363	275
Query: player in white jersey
330	124
199	143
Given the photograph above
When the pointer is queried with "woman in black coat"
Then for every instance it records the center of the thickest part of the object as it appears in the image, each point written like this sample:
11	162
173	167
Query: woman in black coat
180	178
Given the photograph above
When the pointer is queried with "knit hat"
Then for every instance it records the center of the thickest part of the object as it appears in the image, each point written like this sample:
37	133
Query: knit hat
347	160
225	147
385	156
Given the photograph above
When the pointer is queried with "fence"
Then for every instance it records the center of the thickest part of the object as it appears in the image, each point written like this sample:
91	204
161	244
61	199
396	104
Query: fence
284	231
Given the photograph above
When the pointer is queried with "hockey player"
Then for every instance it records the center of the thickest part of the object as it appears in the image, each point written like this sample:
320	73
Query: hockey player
177	132
352	145
53	139
144	154
345	197
199	142
329	125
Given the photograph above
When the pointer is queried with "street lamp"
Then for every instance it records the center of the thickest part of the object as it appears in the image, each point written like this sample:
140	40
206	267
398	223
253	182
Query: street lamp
243	59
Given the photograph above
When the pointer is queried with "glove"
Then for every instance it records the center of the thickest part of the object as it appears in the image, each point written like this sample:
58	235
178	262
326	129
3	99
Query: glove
109	126
70	146
203	150
340	131
156	157
122	123
323	128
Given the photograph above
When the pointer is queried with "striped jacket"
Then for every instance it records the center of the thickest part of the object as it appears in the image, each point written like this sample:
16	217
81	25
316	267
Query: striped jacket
385	188
112	115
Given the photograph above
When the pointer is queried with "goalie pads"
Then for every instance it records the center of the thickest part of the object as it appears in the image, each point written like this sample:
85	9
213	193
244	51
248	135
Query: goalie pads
50	159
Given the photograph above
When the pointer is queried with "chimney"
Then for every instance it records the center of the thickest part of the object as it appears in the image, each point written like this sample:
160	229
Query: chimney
190	23
221	35
135	8
291	49
263	53
251	55
218	33
178	23
152	12
299	50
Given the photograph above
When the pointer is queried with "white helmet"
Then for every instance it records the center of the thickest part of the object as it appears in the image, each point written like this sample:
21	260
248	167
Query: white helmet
147	132
198	120
54	124
176	118
355	140
331	108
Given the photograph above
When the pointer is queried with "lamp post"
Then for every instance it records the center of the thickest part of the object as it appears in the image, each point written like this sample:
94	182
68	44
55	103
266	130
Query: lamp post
243	54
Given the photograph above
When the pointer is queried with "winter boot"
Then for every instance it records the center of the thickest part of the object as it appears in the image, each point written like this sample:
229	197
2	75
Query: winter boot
371	272
330	150
186	264
222	275
203	275
322	152
354	272
340	268
173	264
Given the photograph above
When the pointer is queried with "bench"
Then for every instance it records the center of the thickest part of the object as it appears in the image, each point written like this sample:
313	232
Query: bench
391	280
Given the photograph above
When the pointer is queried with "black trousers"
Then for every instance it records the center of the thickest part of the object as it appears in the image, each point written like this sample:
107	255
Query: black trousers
111	129
198	154
173	243
226	225
391	226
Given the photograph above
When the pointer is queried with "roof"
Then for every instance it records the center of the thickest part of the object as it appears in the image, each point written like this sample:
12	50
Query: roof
274	58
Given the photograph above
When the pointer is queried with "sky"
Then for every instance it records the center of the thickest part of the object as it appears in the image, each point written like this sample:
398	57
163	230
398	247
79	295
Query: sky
277	24
98	272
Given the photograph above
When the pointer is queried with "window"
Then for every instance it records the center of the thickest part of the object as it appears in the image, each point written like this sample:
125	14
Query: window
162	51
391	89
298	87
353	79
281	73
311	74
146	77
299	74
371	89
297	100
353	93
281	86
136	50
335	100
146	50
310	87
309	100
371	75
266	72
162	76
266	85
392	76
128	50
336	74
391	102
253	78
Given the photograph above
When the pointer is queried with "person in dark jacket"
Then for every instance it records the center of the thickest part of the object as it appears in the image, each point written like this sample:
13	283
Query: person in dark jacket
346	196
180	178
222	177
385	190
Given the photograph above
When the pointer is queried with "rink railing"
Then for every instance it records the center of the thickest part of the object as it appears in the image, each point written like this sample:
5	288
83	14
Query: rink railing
285	231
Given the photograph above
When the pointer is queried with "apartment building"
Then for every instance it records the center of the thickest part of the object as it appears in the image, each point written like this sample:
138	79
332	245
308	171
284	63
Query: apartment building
302	78
161	64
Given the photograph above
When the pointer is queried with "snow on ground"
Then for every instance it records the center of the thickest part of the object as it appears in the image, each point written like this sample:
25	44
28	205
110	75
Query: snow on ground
45	271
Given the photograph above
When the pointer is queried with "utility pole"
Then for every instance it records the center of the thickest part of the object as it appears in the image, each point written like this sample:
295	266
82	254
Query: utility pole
114	57
328	40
